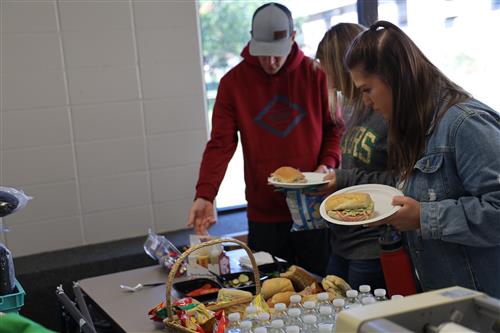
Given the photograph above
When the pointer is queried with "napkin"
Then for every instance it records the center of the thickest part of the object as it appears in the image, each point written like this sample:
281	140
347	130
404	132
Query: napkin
261	258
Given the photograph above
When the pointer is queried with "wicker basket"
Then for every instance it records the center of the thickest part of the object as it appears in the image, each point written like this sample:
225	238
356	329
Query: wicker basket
238	305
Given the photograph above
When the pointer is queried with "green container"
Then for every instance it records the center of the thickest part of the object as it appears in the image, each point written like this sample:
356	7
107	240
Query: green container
13	302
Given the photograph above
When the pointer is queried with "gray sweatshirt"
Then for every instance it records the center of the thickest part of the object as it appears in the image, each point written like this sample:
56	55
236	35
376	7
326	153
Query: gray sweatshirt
364	161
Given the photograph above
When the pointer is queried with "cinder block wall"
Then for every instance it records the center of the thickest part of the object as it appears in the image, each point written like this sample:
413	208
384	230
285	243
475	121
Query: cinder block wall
103	118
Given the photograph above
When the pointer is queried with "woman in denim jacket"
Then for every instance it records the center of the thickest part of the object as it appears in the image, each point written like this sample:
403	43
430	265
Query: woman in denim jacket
444	147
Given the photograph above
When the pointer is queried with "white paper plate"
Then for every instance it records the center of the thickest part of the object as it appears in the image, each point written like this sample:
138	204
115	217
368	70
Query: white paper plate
381	195
312	179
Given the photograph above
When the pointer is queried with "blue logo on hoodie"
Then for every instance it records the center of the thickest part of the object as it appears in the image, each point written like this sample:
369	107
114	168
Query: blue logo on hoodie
280	116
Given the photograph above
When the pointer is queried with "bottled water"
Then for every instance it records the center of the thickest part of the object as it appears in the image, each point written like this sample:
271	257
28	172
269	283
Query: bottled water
322	300
294	317
352	299
292	329
369	300
325	315
364	291
309	309
263	320
295	302
260	330
310	324
325	328
246	326
396	297
277	326
234	323
251	315
380	295
338	306
280	311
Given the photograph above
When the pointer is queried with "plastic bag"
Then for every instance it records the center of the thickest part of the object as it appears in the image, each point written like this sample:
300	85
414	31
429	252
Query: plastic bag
161	249
7	275
304	210
12	200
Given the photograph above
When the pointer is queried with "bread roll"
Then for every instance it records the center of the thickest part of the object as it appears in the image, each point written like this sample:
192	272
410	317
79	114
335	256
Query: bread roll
299	277
283	297
273	286
352	200
288	174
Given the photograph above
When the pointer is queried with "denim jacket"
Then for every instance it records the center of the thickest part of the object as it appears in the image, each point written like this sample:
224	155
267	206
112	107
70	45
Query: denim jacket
457	182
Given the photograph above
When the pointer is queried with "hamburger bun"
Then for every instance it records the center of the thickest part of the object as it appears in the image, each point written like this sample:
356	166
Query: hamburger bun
288	174
350	207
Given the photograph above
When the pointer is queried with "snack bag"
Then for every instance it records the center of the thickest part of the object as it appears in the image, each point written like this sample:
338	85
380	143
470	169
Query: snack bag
304	210
221	324
260	304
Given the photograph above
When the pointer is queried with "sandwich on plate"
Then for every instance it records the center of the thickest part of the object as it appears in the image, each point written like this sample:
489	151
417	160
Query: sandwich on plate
288	174
351	206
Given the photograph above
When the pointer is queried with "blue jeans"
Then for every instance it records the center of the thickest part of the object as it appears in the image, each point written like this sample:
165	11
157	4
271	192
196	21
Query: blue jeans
357	272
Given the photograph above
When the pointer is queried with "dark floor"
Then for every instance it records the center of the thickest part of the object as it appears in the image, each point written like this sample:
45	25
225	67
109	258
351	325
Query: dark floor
40	274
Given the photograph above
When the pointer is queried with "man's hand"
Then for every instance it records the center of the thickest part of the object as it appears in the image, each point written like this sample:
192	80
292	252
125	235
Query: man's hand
406	218
201	216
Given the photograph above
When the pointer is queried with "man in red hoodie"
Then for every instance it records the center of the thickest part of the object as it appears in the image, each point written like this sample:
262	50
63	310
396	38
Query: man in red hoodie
277	99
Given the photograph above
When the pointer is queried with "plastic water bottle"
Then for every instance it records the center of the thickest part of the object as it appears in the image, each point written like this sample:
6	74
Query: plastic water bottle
369	300
364	291
309	309
294	318
352	300
292	329
277	326
280	312
251	315
396	297
260	330
338	306
322	300
246	326
325	315
326	328
263	320
234	323
380	295
310	324
295	302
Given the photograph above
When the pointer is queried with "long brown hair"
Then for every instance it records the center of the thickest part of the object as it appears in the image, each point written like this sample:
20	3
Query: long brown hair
331	51
417	85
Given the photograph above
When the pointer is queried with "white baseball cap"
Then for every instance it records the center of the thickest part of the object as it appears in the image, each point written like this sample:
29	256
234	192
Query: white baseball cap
272	29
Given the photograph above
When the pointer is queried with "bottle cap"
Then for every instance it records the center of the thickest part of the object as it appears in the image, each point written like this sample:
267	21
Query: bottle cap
235	316
309	305
310	319
322	296
251	309
264	316
379	292
246	324
352	293
338	302
364	288
280	306
292	329
277	323
325	310
295	298
397	297
260	330
294	312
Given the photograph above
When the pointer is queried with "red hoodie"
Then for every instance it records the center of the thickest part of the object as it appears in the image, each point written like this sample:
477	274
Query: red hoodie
283	119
